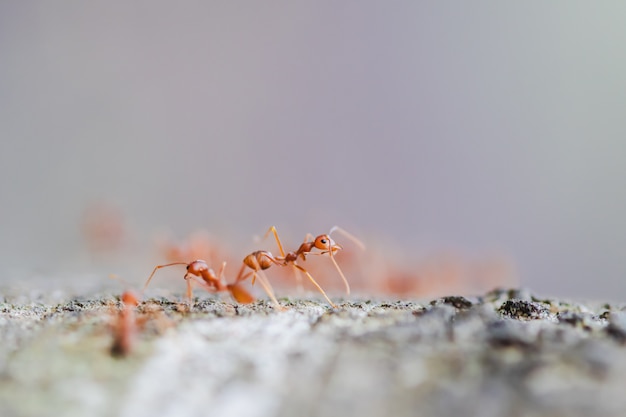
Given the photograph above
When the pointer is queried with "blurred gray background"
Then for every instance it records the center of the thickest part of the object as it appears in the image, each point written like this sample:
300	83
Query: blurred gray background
478	127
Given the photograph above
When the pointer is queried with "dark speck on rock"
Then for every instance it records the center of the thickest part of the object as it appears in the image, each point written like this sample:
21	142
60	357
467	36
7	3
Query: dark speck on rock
524	309
586	321
458	302
617	326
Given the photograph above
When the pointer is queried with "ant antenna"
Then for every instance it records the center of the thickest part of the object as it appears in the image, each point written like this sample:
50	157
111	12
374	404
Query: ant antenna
159	267
348	235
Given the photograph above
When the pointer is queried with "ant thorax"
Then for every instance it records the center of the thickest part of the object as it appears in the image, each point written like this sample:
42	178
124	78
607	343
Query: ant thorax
291	257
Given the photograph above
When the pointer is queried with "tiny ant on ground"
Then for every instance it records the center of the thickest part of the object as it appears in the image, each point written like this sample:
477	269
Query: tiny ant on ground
125	327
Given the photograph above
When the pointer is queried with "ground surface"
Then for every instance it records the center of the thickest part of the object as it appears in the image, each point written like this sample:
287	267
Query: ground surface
505	353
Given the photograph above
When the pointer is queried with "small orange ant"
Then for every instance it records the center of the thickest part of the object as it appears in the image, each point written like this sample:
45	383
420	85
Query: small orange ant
324	243
261	260
199	272
125	327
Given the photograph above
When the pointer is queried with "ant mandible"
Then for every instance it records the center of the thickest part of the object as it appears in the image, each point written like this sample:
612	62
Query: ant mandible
324	243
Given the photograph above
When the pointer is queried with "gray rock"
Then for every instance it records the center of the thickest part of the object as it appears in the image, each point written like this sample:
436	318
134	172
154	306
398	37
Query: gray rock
504	353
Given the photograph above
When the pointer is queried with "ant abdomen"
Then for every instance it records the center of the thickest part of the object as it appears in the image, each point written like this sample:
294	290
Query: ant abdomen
259	260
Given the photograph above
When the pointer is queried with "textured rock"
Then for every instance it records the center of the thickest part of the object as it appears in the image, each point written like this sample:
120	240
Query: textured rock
503	353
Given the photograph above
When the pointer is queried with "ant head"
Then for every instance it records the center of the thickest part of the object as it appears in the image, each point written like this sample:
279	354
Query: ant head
129	298
196	267
325	243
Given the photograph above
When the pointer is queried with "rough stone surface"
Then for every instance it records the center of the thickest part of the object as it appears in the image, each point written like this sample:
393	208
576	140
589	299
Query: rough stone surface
506	353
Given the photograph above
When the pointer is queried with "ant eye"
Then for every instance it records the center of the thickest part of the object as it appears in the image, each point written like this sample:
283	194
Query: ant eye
323	242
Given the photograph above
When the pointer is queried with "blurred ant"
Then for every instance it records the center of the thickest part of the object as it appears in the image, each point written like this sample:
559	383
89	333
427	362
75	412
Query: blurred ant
199	272
324	243
125	327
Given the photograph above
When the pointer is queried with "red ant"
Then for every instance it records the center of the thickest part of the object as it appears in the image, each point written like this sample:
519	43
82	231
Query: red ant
324	243
261	260
126	327
199	272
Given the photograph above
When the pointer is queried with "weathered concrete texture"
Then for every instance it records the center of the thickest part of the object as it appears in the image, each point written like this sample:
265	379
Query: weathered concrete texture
506	353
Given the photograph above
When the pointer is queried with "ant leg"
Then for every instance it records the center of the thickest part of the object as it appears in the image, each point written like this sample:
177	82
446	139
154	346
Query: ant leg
280	245
240	275
343	277
268	289
120	279
159	267
296	272
192	278
220	275
348	235
298	267
245	276
189	292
